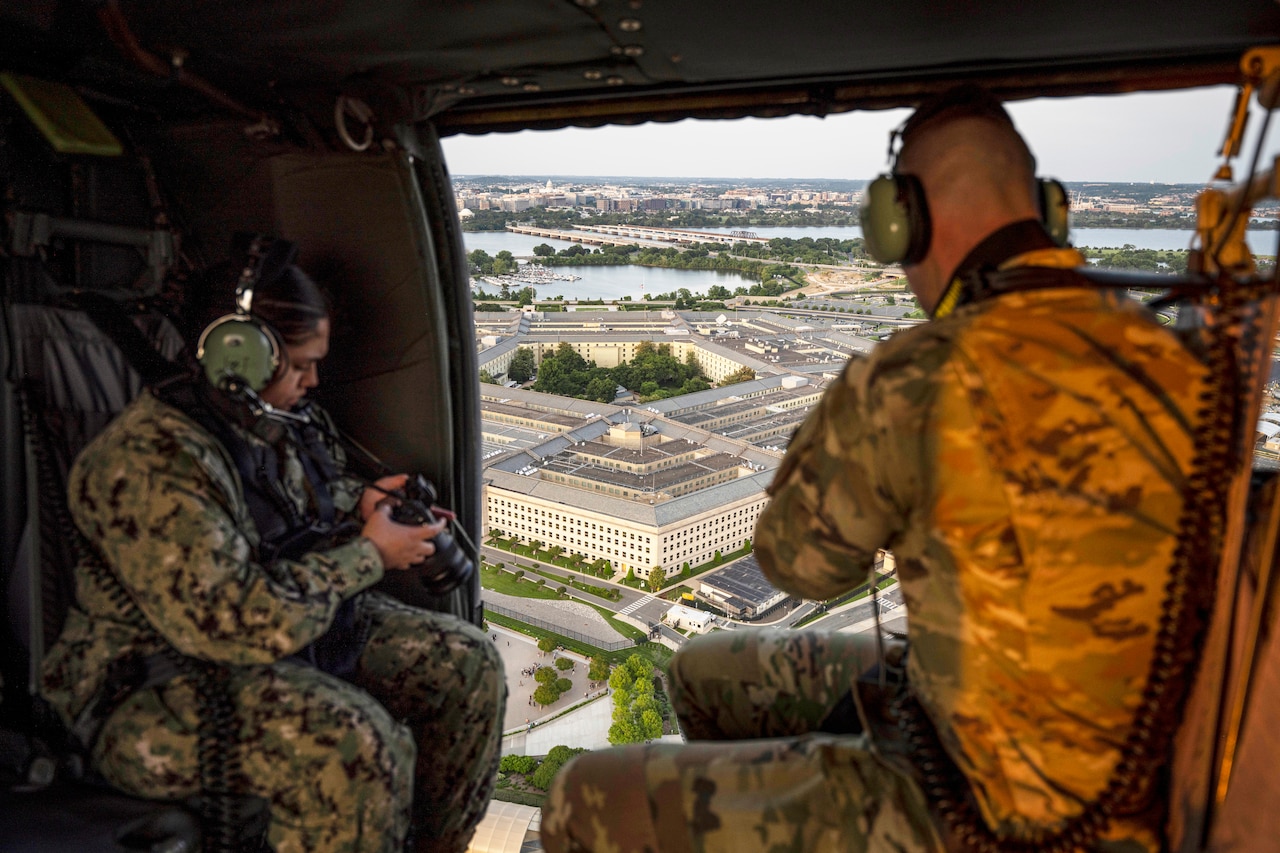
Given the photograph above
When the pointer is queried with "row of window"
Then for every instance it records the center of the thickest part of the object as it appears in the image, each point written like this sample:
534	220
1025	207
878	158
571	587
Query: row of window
596	539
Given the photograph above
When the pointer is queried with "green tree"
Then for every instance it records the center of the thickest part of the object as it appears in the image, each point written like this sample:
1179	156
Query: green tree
602	389
635	706
621	678
545	694
657	578
546	644
557	757
543	250
522	365
651	724
481	262
625	731
504	262
599	669
639	667
742	374
524	764
544	675
487	378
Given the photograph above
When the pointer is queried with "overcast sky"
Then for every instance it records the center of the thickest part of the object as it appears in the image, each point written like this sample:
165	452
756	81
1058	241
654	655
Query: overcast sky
1167	137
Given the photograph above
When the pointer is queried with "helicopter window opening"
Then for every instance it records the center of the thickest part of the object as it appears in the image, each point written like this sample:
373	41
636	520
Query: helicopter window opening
577	178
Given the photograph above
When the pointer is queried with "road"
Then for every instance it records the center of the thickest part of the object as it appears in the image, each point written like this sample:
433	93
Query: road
648	609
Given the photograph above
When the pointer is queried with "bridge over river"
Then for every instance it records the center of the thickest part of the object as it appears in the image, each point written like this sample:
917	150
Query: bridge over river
643	235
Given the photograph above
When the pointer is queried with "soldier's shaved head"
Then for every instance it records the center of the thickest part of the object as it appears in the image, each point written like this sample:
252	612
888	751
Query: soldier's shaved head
978	175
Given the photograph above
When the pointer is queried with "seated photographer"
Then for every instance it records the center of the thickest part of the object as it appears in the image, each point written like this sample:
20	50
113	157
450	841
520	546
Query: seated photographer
229	531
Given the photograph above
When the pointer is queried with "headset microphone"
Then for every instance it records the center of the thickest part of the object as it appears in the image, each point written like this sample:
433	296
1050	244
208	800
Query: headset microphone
239	350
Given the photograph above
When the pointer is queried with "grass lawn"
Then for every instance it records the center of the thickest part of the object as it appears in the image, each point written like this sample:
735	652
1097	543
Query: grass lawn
500	580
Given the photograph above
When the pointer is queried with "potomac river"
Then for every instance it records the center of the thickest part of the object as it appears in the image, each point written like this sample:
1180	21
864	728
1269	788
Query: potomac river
635	281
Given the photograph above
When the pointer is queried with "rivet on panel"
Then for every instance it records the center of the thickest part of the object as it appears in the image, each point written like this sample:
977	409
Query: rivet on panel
629	25
593	75
511	81
532	87
615	81
633	50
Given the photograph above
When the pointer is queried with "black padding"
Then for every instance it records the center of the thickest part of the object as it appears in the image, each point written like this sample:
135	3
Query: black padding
74	380
91	819
919	224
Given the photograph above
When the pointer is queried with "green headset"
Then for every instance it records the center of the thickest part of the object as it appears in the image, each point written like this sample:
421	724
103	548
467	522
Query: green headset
241	350
895	217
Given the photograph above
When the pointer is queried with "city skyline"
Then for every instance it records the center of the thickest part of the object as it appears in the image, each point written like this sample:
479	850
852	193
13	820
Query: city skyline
1157	137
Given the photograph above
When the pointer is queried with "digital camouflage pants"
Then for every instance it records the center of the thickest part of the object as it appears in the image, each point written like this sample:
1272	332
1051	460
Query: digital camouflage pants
344	767
757	773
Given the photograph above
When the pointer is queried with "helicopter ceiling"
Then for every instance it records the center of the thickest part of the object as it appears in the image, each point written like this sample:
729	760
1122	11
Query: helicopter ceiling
475	66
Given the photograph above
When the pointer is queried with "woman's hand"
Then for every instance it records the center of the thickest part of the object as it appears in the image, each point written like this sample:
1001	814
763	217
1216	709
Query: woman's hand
400	545
376	494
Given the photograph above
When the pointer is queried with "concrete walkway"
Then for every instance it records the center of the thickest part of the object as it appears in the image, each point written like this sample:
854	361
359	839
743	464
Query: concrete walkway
521	653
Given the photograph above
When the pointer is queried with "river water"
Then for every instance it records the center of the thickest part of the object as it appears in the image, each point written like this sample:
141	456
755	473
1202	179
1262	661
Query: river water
634	281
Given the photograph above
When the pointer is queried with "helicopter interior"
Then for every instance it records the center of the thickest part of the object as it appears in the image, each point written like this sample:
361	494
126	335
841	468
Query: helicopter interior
137	138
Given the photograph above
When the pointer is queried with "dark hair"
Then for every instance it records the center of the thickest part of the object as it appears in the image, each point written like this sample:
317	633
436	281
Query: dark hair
292	304
285	298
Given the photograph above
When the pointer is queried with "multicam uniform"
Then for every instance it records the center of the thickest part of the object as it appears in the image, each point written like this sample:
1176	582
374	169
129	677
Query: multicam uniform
162	502
1024	459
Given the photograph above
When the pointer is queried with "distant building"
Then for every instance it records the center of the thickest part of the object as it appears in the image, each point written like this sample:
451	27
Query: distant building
595	480
740	590
684	618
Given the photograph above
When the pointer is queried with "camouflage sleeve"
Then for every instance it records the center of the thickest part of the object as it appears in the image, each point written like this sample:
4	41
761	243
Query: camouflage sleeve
819	535
170	521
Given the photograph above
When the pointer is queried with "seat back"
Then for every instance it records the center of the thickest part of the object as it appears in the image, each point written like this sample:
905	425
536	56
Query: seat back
71	379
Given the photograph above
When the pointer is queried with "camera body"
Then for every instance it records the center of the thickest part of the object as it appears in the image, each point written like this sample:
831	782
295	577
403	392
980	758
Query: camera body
449	566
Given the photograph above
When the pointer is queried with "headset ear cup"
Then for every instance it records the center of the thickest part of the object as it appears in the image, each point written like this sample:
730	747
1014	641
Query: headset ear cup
1055	207
238	348
895	219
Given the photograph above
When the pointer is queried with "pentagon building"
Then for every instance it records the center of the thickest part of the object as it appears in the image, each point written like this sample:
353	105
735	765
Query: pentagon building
663	483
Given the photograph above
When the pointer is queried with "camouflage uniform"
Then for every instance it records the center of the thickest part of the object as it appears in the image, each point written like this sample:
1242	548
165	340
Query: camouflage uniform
162	502
1024	459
